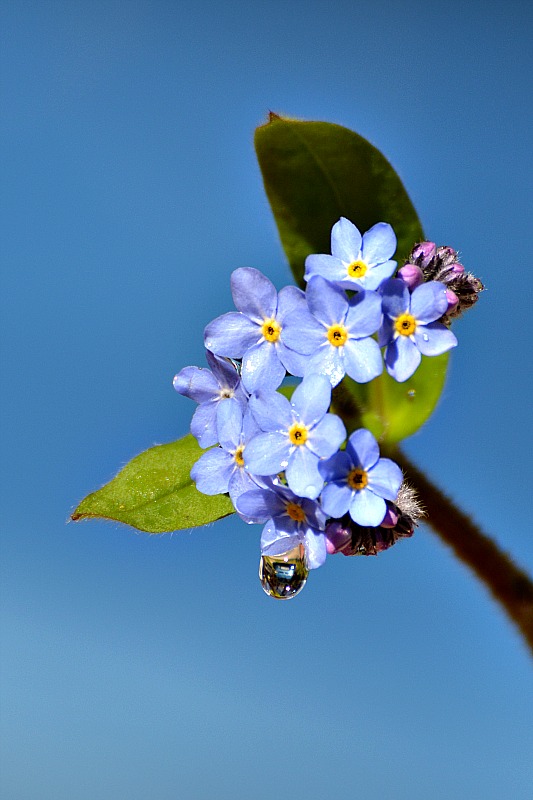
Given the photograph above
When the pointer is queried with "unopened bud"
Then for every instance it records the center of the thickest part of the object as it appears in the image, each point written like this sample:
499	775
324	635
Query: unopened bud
391	517
338	535
423	253
411	275
453	300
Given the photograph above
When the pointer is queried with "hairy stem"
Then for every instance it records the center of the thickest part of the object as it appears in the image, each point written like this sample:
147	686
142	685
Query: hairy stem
508	584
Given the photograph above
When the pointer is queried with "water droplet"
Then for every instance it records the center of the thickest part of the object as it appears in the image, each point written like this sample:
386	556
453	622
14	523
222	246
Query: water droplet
425	337
284	575
411	393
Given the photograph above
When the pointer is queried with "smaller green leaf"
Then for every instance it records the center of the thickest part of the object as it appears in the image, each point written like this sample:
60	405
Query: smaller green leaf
393	411
154	492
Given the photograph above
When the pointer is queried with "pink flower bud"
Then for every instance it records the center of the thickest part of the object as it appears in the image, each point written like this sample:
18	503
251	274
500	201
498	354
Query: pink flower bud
424	252
411	275
453	300
390	520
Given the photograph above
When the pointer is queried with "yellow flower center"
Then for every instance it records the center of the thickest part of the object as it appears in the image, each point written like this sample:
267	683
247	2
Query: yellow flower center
271	330
295	512
357	269
239	460
357	479
405	324
337	335
298	434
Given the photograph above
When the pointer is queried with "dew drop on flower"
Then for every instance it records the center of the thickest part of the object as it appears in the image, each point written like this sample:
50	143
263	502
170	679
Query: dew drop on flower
284	575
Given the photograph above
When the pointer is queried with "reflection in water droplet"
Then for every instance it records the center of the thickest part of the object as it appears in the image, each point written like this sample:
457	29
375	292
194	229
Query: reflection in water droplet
284	575
411	393
425	337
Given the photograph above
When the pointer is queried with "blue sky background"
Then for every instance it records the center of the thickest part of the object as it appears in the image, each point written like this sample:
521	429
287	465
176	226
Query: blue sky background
137	666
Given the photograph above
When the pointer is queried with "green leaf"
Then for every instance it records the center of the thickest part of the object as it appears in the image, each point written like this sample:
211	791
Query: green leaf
154	492
316	172
393	411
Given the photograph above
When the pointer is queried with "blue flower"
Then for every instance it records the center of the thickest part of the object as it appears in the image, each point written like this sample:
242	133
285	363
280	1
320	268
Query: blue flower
359	481
210	389
356	262
296	435
253	332
409	330
335	334
289	520
221	469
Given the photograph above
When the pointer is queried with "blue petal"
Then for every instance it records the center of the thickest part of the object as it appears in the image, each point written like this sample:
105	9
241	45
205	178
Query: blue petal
336	499
362	359
327	303
313	513
261	368
204	424
326	437
212	471
315	548
337	467
302	473
329	267
312	398
240	482
364	316
267	454
366	508
302	332
328	361
275	542
231	335
249	425
402	358
379	243
259	505
197	383
385	479
376	275
363	449
345	240
224	371
294	363
434	339
229	424
290	299
386	332
429	302
395	296
253	294
272	411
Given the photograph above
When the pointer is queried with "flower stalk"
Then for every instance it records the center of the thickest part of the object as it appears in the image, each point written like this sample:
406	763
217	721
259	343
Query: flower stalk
509	585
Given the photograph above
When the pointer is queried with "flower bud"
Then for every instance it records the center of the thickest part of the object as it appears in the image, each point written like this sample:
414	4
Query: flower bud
441	264
453	300
338	535
391	517
411	275
423	253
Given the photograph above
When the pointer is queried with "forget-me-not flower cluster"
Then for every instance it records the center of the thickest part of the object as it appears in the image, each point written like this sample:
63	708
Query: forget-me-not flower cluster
282	454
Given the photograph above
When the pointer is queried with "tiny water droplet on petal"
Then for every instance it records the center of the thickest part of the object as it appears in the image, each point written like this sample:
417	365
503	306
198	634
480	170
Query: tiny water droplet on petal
284	575
425	337
411	393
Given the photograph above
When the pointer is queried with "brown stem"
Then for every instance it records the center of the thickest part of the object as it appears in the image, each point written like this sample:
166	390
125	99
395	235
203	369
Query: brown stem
508	584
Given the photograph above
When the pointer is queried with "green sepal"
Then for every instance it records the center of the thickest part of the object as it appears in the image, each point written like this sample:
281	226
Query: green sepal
154	492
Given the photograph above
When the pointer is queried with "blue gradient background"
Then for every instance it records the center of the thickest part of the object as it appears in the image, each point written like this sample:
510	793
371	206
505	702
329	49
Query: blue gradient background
136	666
